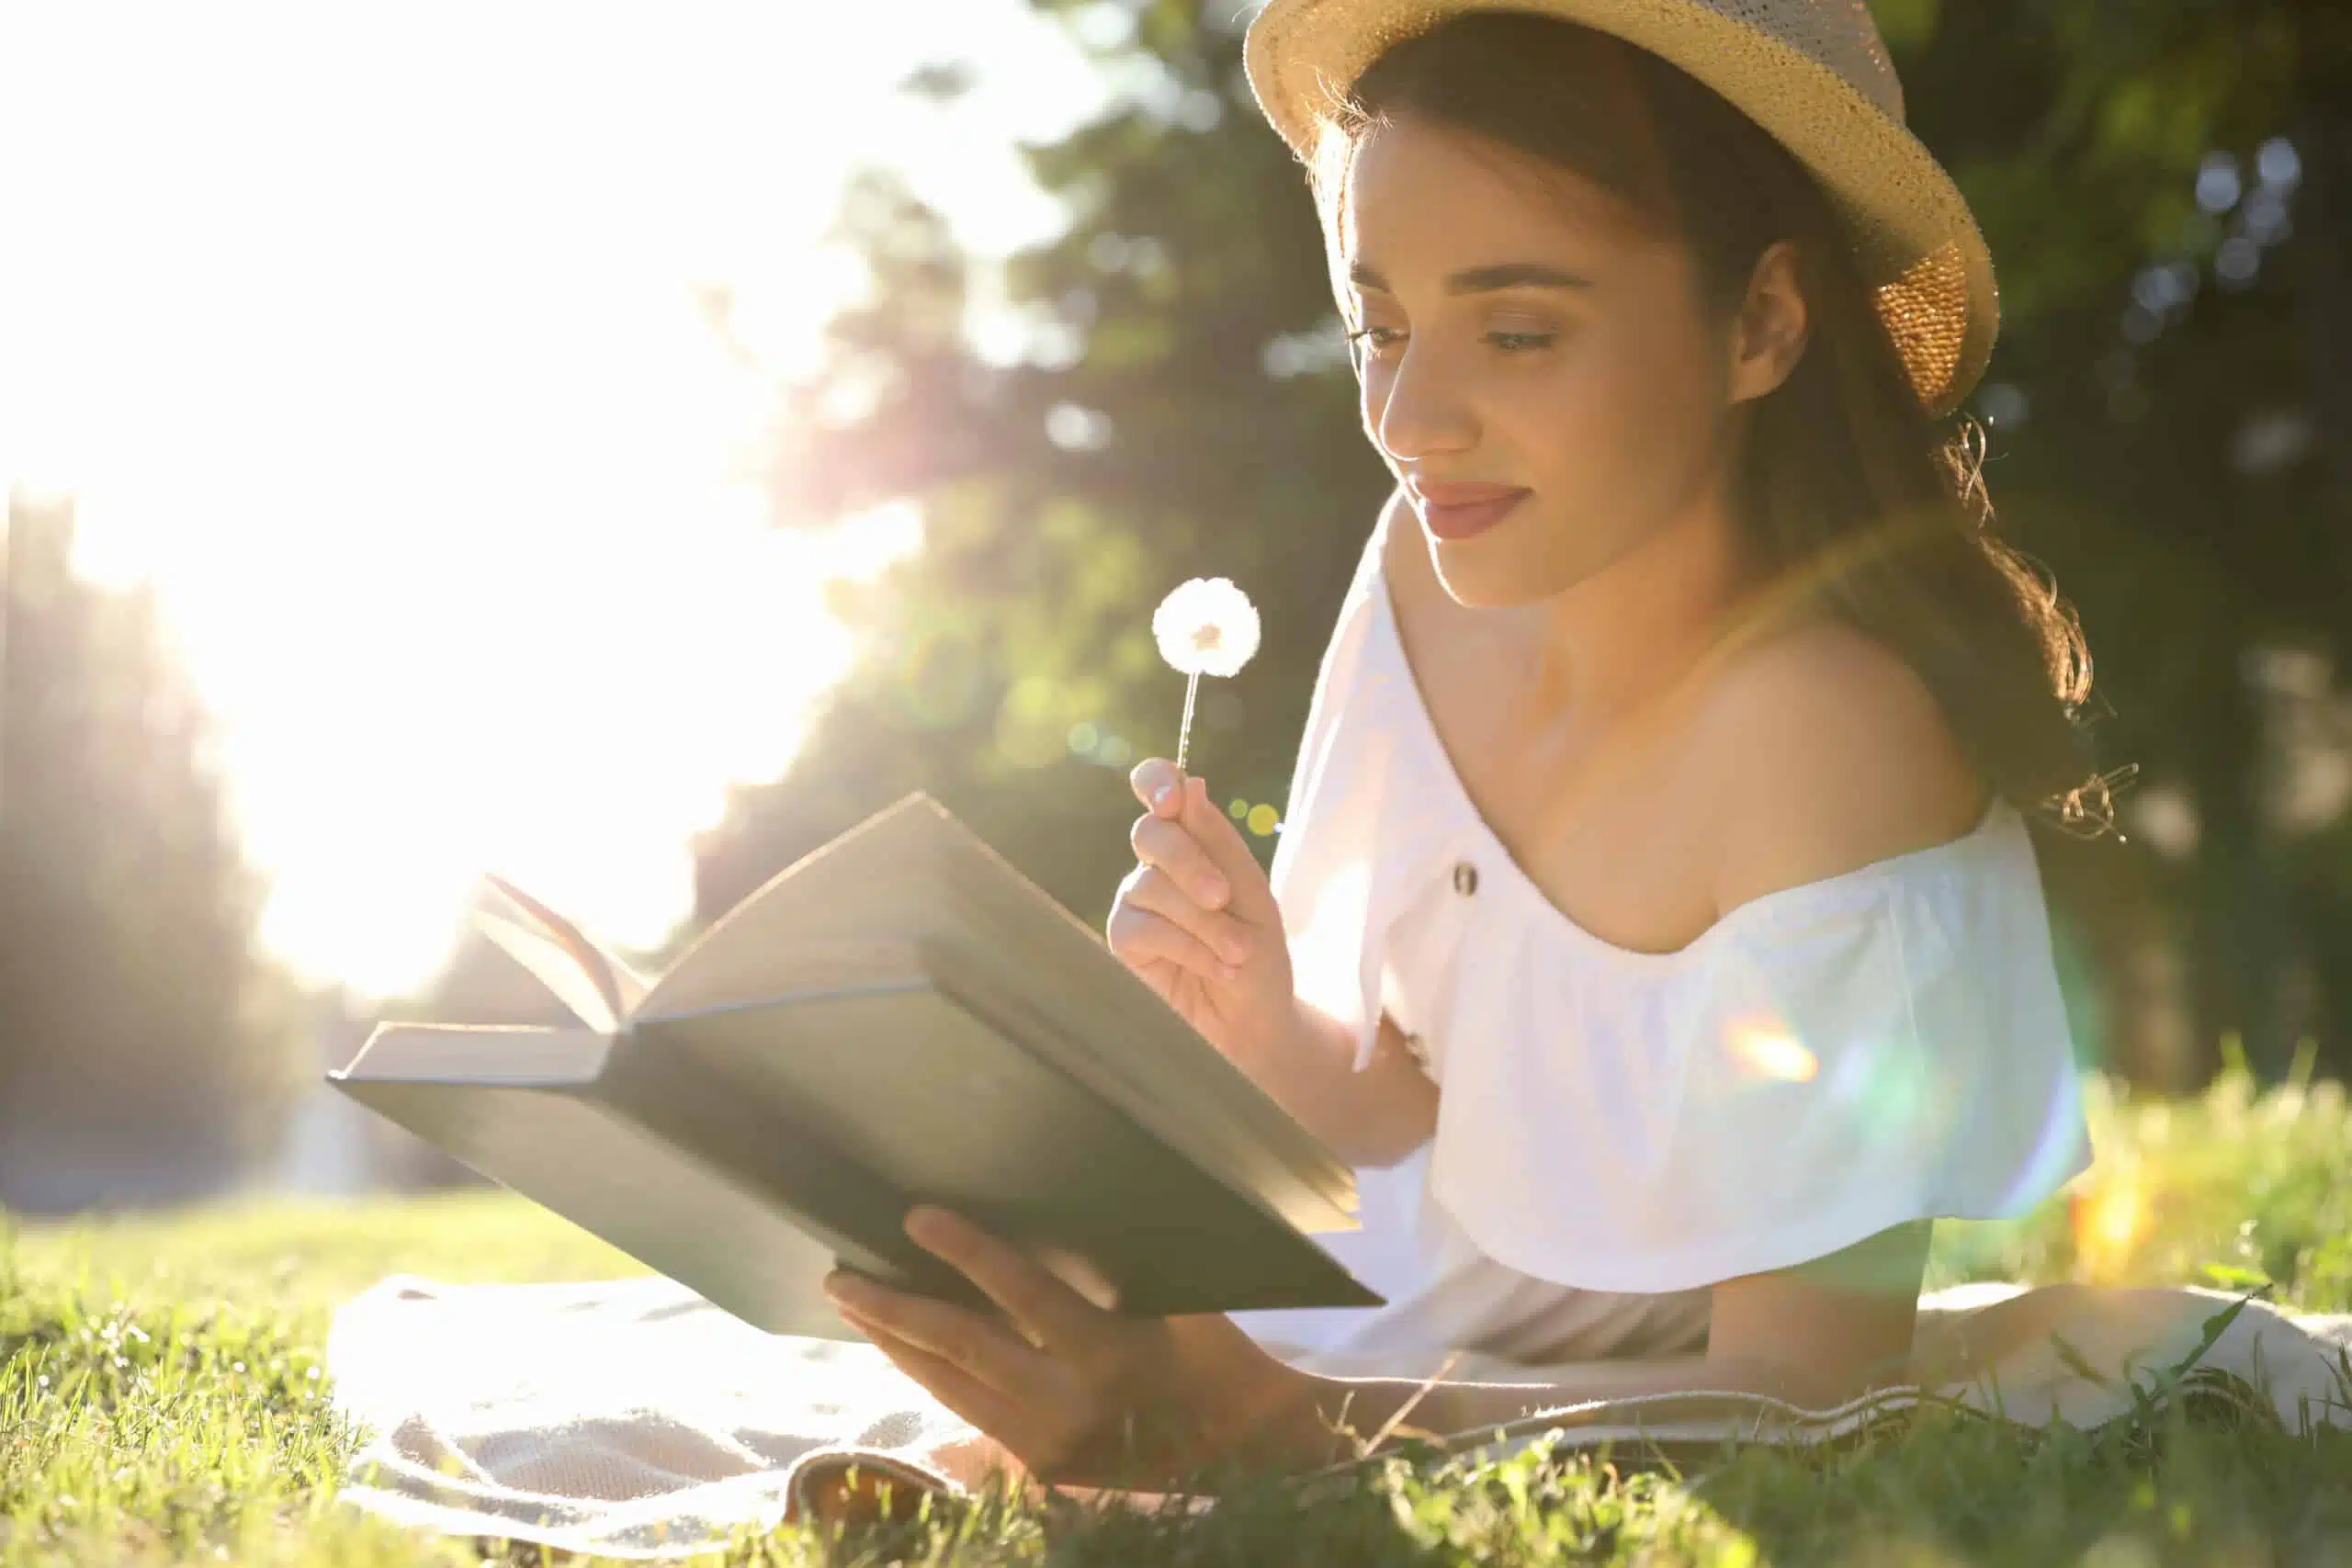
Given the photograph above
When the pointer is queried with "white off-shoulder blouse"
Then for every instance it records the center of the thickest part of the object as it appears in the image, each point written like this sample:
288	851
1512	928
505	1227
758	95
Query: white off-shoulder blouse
1617	1130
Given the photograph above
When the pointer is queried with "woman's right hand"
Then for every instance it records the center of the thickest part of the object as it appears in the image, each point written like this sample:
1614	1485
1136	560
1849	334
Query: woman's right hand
1197	919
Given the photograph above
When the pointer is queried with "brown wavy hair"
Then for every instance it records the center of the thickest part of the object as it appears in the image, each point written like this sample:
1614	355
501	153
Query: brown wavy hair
1860	502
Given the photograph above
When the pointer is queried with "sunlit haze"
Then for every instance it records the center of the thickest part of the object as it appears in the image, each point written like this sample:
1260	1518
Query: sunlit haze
369	336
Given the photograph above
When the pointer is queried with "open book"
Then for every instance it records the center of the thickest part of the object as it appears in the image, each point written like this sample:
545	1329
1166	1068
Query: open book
899	1016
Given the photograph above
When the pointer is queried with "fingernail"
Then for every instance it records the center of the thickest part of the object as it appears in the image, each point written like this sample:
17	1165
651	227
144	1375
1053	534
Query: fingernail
1214	889
1236	952
1160	796
1227	970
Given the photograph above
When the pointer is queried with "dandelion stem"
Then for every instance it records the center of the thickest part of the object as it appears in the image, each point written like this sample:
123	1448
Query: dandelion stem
1184	735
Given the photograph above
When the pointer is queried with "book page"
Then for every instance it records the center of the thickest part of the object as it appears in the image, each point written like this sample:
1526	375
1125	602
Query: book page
785	936
554	967
621	987
489	1054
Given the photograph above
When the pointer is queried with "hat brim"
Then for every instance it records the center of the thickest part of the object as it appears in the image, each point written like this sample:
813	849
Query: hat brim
1917	241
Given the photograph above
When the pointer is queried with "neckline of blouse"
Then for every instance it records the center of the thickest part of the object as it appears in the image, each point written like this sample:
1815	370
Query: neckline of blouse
1841	884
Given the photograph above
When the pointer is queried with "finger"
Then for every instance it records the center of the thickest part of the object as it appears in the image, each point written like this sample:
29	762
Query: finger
1155	781
1253	899
953	1387
1172	848
1030	1293
1137	936
989	1351
1152	889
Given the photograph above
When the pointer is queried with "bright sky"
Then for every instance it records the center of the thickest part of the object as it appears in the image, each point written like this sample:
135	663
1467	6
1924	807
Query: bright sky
368	335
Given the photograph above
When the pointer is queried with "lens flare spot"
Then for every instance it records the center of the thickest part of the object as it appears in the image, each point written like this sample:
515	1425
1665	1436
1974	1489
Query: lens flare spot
2108	1222
1768	1049
2061	1150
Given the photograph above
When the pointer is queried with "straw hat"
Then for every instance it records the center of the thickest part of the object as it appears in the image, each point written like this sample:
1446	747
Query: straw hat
1812	72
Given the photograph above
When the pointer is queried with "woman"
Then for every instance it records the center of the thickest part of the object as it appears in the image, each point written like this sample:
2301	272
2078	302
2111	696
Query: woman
1654	926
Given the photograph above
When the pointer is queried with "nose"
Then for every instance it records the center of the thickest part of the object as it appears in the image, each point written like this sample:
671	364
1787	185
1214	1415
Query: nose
1417	407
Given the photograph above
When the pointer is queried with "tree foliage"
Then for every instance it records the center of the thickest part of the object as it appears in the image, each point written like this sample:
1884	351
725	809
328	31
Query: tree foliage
144	1050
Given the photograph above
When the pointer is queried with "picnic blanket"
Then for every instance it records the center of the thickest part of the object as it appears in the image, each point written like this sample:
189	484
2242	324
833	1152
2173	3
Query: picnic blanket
632	1418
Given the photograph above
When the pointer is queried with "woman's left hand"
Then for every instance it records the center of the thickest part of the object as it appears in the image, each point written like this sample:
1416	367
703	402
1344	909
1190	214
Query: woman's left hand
1079	1394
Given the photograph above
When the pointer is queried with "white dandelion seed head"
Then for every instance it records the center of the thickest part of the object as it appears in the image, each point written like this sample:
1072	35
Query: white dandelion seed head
1206	626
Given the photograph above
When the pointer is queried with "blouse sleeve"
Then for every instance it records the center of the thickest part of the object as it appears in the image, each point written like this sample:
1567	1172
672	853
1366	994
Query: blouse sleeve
1826	1061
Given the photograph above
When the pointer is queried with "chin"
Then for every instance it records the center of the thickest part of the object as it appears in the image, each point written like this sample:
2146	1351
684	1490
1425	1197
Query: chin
1489	583
1493	571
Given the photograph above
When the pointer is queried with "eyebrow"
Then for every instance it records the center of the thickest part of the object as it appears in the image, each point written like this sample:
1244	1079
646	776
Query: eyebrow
1485	279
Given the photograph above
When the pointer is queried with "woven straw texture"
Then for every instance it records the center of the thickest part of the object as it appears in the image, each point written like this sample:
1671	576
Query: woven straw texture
1812	72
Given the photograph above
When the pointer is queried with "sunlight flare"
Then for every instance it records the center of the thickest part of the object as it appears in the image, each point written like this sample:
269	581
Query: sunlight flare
1768	1049
382	346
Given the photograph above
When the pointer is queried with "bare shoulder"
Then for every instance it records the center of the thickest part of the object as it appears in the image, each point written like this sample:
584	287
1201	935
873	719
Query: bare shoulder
1831	754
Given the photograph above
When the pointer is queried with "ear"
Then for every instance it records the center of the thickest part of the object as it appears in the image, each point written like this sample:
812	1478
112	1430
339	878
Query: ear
1770	335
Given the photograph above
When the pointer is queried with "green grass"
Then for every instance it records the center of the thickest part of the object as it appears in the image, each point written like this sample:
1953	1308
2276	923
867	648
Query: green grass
162	1400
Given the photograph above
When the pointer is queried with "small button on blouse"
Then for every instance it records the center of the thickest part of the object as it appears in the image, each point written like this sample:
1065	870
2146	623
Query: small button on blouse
1465	878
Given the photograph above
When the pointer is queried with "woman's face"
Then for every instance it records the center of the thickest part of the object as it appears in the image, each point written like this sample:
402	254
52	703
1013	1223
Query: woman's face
1517	331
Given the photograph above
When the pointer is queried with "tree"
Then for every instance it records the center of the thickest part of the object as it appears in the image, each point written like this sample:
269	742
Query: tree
144	1051
2164	188
1184	411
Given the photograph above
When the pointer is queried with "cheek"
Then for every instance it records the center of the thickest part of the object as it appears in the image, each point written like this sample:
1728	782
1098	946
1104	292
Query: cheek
1623	429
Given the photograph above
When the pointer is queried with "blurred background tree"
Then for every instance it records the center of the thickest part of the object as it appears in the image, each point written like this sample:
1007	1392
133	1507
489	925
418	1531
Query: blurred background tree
146	1053
1173	403
2164	188
2163	184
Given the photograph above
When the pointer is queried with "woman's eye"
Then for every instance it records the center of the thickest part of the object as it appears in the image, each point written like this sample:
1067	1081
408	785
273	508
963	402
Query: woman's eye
1378	339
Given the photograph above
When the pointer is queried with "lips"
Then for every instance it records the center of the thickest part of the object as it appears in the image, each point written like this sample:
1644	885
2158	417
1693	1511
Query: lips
1458	510
1460	493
